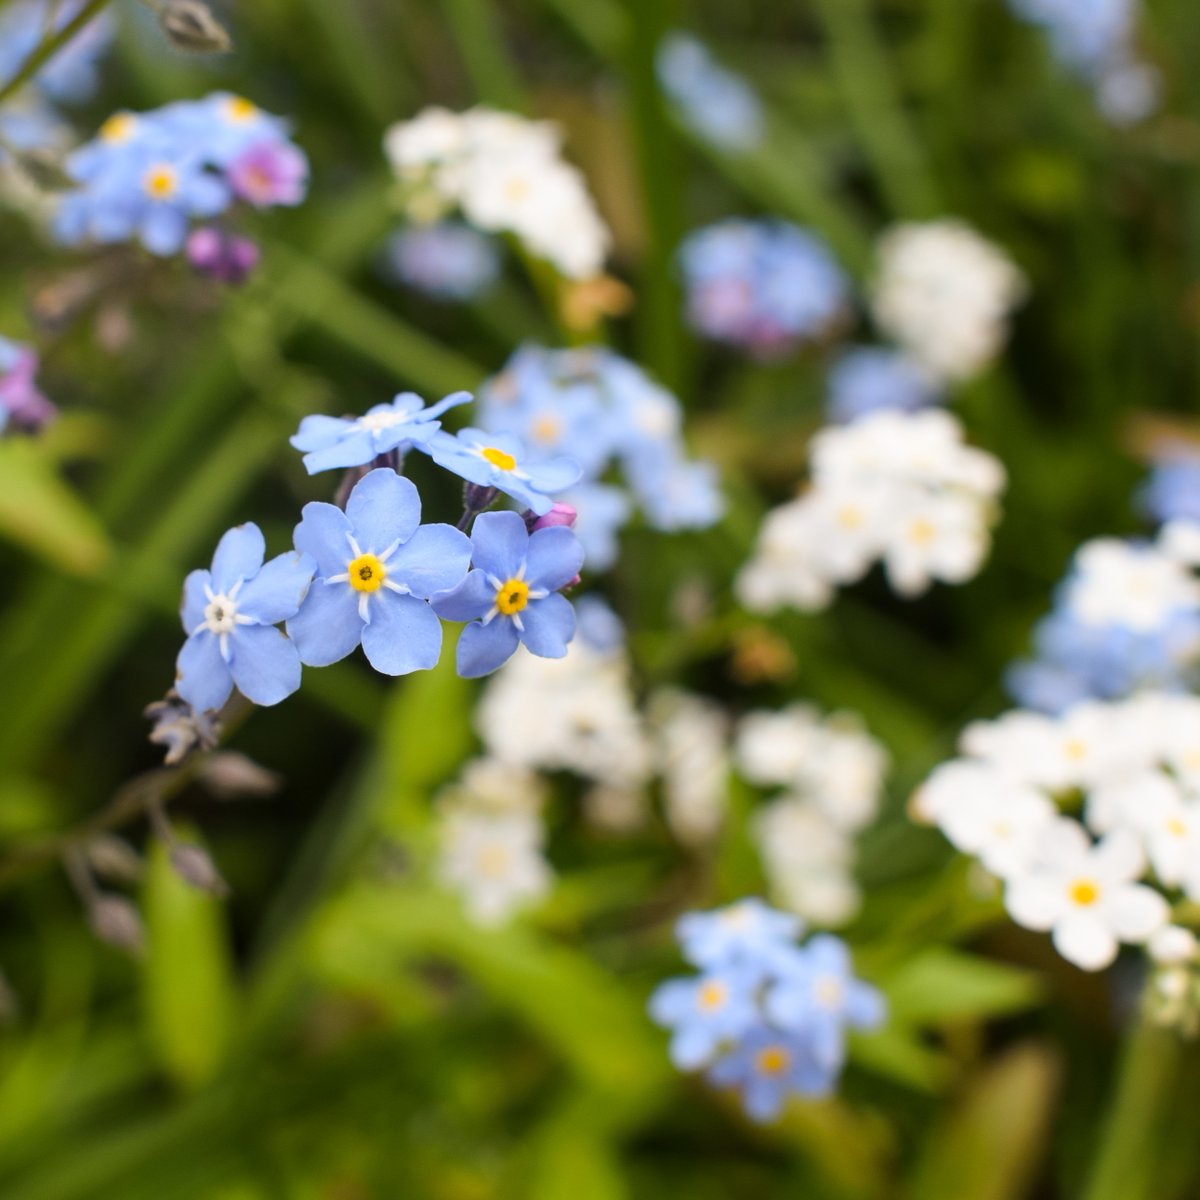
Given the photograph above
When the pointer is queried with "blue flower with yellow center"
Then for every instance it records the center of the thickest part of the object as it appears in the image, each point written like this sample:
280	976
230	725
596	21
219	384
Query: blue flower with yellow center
767	1067
376	568
230	613
511	597
703	1013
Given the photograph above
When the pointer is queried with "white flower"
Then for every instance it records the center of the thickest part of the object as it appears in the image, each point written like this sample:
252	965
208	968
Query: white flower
694	761
772	748
1136	587
936	537
489	783
1086	895
493	860
944	294
1173	945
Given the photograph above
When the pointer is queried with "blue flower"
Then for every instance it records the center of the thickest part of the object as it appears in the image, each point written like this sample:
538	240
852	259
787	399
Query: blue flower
713	102
447	260
704	1013
866	379
498	460
598	626
354	442
511	596
601	510
1172	492
71	75
748	934
767	1067
818	998
377	566
230	614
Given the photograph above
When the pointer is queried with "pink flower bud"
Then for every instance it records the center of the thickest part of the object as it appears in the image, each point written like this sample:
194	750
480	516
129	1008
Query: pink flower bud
560	514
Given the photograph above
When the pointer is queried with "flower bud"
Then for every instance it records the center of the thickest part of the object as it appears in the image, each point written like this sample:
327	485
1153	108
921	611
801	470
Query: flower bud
190	26
115	920
231	774
114	859
224	256
194	865
560	514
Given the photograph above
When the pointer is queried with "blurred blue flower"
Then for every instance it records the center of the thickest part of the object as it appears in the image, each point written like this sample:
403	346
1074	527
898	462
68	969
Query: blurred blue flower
446	260
498	460
71	75
713	102
353	442
602	511
764	285
704	1013
511	594
376	567
597	625
1173	490
230	614
767	1067
20	400
865	379
747	935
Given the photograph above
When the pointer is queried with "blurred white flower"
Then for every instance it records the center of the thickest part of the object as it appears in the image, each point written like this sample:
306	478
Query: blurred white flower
944	294
1138	587
692	736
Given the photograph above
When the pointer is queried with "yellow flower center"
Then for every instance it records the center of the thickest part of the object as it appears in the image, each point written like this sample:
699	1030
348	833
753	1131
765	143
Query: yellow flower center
712	995
921	532
546	428
517	189
498	458
773	1060
1177	827
493	861
1075	749
366	573
512	596
849	516
1084	892
118	128
239	110
828	992
161	181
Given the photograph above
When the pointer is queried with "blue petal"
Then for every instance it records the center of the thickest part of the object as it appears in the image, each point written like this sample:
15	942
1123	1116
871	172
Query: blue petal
323	532
239	556
672	1001
202	676
828	954
554	558
865	1007
403	636
278	590
555	475
473	598
163	230
549	626
265	664
447	451
194	600
434	559
328	626
355	450
692	1045
383	508
483	648
319	431
448	402
499	540
207	195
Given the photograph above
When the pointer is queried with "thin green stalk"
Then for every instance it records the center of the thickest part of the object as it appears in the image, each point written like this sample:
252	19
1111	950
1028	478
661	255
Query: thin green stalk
477	33
1127	1146
864	73
48	48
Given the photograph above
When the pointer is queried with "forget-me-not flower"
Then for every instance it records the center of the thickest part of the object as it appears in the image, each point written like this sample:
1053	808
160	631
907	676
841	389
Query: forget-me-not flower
353	442
511	595
747	934
704	1013
20	399
376	567
498	460
768	1066
865	379
230	614
447	260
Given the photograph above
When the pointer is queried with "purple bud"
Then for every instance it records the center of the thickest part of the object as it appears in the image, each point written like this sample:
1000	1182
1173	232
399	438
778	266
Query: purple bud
560	514
224	256
19	397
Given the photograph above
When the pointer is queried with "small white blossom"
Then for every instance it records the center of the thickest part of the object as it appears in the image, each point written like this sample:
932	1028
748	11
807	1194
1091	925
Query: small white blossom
693	758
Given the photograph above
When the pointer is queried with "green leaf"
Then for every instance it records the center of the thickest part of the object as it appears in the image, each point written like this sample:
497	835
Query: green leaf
187	975
40	512
947	985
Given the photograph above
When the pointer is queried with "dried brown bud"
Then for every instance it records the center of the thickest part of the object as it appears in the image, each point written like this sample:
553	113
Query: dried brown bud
190	26
231	774
181	729
194	865
44	169
114	859
115	920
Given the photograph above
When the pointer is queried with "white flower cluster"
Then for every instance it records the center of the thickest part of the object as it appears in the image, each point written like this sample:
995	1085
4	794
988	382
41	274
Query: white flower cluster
944	294
1132	769
893	486
831	772
491	835
691	736
506	174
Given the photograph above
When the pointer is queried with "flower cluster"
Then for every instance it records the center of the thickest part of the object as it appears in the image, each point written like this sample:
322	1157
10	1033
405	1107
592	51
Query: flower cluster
491	835
372	574
1096	40
827	772
149	176
1133	768
505	174
446	260
865	379
892	486
1172	493
601	410
715	104
943	293
766	286
691	735
21	403
1127	617
767	1017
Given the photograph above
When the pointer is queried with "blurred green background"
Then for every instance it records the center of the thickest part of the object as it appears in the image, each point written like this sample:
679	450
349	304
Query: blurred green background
336	1030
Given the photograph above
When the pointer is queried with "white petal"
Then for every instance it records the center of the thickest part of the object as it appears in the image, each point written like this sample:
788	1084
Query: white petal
1084	940
1135	912
1036	901
1119	858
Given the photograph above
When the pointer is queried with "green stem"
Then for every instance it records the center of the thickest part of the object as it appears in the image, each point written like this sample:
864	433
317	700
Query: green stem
1143	1099
50	47
475	29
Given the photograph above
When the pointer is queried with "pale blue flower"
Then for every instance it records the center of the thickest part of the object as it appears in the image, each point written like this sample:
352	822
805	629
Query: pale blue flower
704	1013
768	1067
714	103
376	567
747	935
354	442
865	379
230	614
446	260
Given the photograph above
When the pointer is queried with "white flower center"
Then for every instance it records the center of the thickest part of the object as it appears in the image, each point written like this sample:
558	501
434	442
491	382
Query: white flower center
828	992
377	422
220	614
